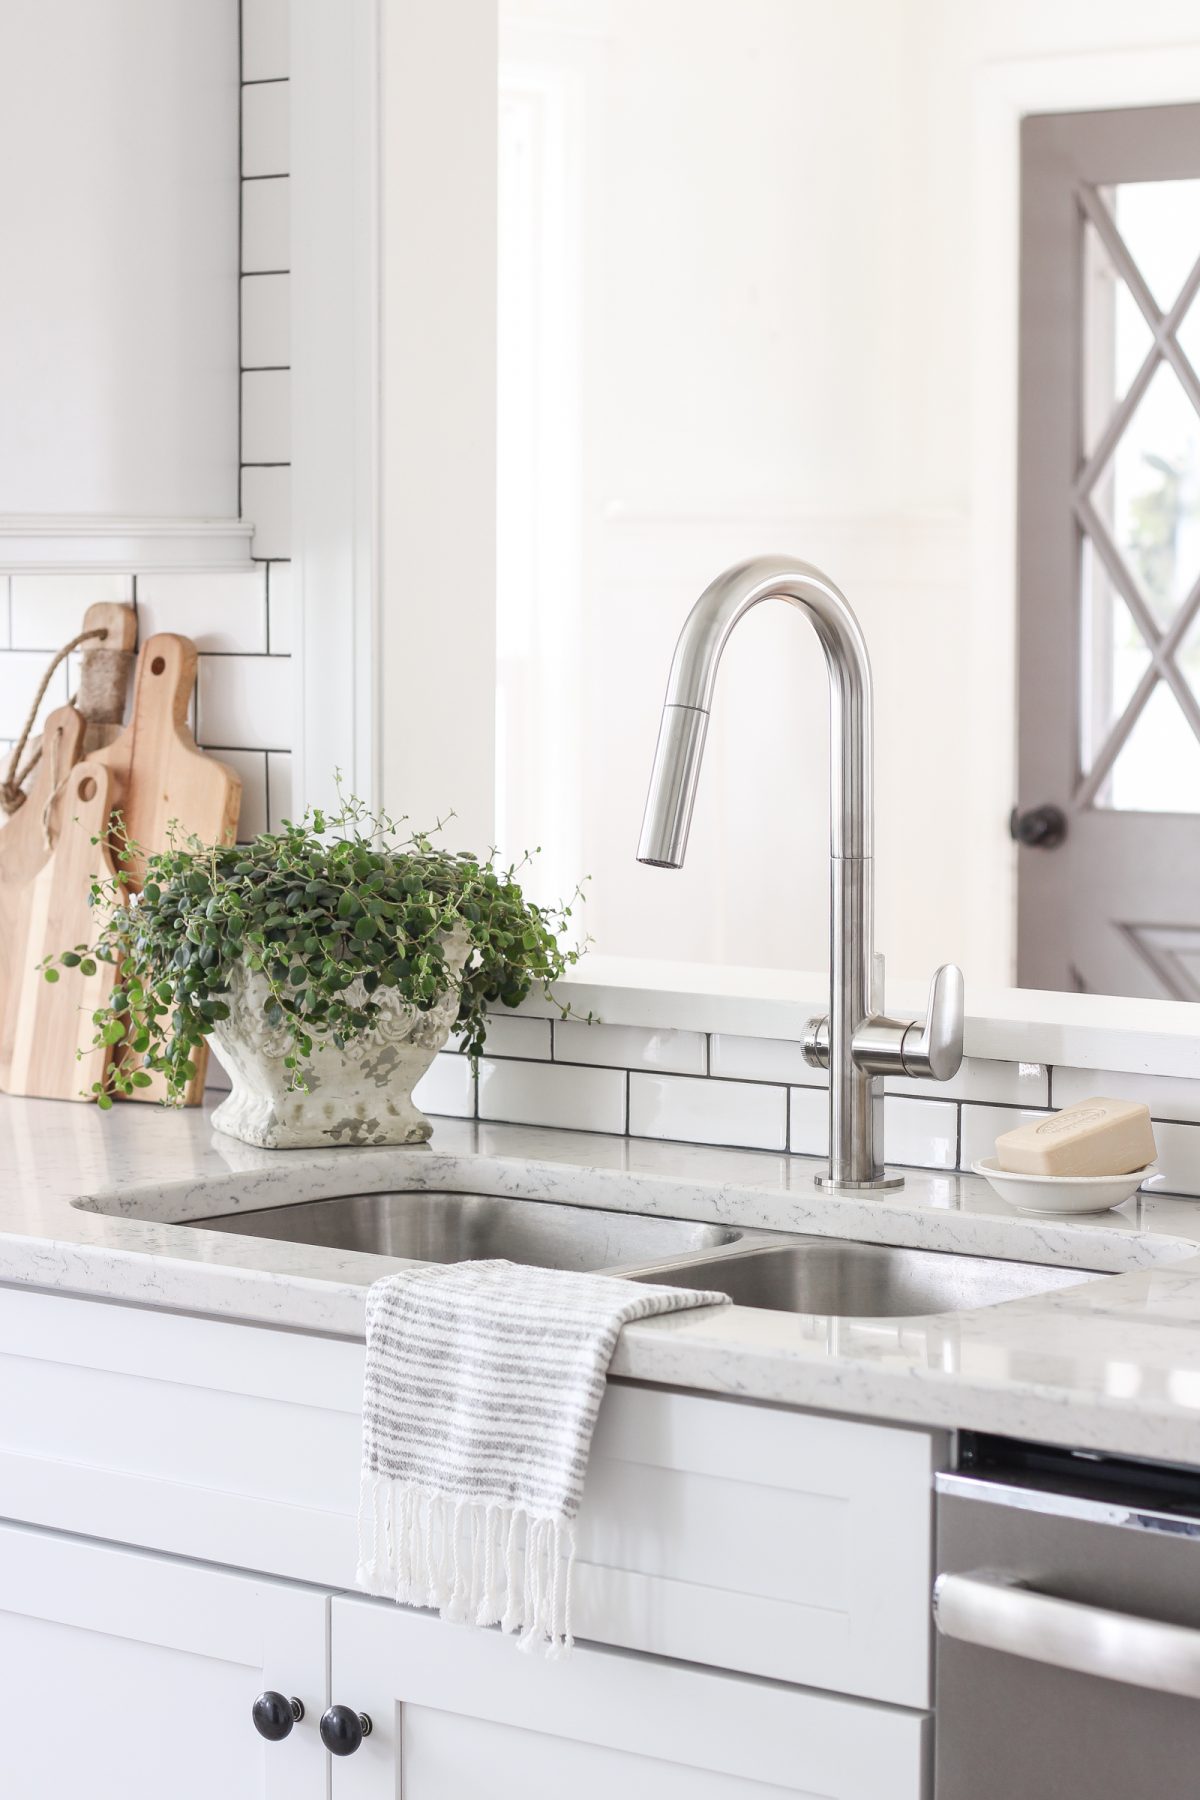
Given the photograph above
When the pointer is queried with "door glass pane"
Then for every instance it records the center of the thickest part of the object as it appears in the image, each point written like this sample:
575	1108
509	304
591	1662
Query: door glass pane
1188	334
1187	657
1149	494
1117	338
1158	768
1115	656
1160	222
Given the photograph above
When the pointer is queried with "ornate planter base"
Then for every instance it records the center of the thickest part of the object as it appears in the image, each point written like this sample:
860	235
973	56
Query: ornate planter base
359	1095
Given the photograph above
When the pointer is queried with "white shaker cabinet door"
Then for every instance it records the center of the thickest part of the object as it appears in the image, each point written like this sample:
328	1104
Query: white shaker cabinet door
458	1713
128	1676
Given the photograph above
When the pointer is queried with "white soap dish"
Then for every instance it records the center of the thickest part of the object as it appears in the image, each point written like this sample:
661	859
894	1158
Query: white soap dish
1045	1195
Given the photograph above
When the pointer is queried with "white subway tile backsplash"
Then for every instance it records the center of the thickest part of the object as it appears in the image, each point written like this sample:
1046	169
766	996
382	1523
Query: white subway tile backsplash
763	1059
265	129
246	701
701	1111
279	609
920	1133
982	1125
264	39
251	765
1167	1096
279	788
266	416
447	1086
508	1035
984	1080
266	235
267	503
628	1046
1178	1158
21	672
221	610
266	321
808	1122
916	1132
536	1093
47	610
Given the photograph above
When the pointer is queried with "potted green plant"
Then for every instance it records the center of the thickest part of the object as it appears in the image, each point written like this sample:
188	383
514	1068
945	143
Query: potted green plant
328	962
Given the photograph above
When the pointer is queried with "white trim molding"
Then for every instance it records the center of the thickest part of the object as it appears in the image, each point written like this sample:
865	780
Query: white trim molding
336	370
53	543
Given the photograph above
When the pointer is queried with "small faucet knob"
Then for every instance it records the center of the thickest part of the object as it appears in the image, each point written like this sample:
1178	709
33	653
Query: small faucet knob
934	1049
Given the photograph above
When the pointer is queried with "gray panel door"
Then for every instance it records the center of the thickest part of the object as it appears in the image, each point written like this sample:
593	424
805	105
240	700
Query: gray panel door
1109	553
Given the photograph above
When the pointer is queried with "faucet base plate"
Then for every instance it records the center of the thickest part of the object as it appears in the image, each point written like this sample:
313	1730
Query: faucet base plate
825	1180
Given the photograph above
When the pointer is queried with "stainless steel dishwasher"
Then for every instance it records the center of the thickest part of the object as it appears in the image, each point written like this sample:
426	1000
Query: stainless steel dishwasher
1068	1611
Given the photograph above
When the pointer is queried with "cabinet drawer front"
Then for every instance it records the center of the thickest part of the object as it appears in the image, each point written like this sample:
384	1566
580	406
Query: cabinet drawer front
747	1537
462	1712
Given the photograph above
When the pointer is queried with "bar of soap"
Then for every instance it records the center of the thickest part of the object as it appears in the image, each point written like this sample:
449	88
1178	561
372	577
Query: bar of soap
1093	1137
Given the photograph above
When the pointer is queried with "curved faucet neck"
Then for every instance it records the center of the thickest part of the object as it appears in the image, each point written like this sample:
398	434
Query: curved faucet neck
706	632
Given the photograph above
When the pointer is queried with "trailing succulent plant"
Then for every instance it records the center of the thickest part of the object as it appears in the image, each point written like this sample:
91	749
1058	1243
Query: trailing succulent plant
332	910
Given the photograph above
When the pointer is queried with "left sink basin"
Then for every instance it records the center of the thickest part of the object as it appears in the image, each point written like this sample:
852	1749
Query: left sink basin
447	1228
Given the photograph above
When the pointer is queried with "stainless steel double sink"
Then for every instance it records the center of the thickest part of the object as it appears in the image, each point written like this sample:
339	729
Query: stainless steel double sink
836	1277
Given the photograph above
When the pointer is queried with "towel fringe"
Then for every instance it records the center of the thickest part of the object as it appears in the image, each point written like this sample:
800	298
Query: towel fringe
477	1562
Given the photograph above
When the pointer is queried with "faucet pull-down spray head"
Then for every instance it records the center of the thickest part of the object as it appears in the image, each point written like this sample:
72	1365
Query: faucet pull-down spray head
673	783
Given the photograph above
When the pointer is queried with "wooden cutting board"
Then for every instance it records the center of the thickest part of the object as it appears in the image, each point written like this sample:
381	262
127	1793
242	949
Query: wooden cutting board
51	1023
164	780
118	621
24	852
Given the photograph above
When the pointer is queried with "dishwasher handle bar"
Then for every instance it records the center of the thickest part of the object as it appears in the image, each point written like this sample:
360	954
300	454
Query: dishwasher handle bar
995	1610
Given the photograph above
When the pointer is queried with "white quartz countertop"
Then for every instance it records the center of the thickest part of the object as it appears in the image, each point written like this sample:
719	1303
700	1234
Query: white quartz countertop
97	1205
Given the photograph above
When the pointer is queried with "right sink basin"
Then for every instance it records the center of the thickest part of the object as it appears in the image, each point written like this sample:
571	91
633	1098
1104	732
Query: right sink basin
838	1278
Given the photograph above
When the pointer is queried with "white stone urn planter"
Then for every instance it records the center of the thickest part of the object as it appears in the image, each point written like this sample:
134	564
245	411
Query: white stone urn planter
359	1095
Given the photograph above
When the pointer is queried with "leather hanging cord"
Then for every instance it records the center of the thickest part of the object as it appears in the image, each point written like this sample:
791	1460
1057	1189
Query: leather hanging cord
12	788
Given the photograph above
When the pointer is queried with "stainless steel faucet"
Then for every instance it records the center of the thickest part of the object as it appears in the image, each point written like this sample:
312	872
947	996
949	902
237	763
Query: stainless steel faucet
856	1041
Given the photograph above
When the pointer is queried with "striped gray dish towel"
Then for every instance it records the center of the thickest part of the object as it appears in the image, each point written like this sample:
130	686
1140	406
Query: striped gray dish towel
483	1384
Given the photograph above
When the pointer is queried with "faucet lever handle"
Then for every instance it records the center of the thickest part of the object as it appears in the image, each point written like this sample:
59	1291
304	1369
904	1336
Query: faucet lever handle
928	1049
934	1049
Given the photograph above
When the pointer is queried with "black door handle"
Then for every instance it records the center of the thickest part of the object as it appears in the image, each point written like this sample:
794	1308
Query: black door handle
1040	828
343	1730
274	1715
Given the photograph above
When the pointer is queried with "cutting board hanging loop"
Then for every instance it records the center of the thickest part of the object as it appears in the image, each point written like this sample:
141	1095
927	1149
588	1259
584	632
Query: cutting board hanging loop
12	789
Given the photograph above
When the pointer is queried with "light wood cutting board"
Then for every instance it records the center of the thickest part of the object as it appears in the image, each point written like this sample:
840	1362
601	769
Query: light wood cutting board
164	780
24	852
51	1024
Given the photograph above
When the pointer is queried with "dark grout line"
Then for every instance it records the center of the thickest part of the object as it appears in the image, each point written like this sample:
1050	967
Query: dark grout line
279	175
241	231
262	80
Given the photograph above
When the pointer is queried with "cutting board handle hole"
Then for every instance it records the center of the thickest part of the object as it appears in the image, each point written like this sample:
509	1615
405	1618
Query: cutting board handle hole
87	788
158	665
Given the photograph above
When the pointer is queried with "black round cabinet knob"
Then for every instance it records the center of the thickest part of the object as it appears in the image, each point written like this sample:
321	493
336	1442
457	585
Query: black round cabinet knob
343	1730
1041	828
274	1715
